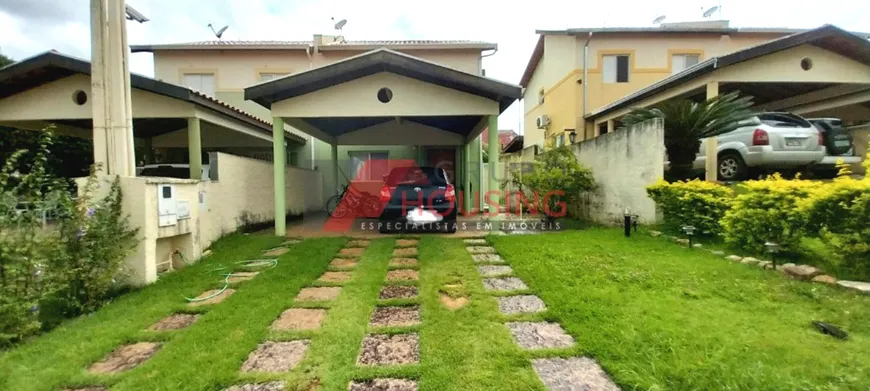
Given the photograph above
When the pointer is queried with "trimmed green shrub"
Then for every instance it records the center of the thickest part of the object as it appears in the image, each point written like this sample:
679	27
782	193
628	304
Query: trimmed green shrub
555	182
697	203
840	213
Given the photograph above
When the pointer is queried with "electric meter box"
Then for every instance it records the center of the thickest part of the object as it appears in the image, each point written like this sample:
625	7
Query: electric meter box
167	206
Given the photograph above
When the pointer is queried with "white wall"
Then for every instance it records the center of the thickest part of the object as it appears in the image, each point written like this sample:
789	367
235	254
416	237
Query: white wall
623	163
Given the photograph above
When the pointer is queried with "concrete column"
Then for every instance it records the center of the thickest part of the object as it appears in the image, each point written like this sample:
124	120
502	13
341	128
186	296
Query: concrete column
611	126
493	166
335	166
278	165
194	147
711	151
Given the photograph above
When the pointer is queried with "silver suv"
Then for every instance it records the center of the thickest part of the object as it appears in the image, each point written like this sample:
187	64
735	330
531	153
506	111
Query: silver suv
769	141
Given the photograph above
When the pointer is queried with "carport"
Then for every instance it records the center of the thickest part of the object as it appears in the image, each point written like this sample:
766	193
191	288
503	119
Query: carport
823	72
52	88
384	97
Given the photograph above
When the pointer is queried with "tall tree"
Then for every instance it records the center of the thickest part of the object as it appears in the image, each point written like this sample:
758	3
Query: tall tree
4	61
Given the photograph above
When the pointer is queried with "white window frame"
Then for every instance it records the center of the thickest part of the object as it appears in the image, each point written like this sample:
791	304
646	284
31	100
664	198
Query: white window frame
197	84
610	68
353	167
678	61
271	75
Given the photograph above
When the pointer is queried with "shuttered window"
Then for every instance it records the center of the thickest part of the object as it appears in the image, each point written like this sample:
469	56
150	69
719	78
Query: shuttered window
202	82
615	68
681	62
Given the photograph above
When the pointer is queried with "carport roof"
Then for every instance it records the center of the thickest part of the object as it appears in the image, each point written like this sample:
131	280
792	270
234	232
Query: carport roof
376	61
51	66
828	37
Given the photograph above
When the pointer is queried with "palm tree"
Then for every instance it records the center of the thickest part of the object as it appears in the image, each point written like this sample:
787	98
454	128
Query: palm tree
687	122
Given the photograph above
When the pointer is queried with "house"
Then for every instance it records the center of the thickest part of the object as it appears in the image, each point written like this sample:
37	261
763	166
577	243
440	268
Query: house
504	137
576	71
225	69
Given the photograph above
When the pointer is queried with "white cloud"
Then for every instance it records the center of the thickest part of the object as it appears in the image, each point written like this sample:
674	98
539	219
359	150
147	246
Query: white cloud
29	27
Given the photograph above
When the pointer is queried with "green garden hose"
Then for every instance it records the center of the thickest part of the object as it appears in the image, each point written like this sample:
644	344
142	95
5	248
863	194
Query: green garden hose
271	263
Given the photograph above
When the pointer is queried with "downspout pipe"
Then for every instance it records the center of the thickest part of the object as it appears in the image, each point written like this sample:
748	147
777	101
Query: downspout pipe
586	81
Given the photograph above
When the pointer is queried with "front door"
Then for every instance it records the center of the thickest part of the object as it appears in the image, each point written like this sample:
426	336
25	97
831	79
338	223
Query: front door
444	158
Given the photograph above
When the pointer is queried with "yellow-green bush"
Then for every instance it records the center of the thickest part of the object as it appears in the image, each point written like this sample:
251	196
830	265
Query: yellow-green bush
697	203
840	213
769	210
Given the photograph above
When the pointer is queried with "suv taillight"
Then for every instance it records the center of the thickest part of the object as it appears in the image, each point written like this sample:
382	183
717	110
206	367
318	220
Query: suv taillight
385	194
450	193
760	137
821	137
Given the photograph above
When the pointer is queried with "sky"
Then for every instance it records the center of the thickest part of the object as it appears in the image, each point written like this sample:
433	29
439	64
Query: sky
30	27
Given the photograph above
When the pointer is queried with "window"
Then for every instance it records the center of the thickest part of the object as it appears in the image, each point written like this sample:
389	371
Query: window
202	82
560	140
368	166
616	68
681	62
602	128
271	76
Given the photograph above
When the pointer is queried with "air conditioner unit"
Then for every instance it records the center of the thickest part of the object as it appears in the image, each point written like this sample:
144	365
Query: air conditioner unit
542	121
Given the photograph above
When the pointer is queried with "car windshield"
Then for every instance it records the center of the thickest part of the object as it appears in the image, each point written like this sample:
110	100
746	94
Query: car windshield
416	176
166	171
783	120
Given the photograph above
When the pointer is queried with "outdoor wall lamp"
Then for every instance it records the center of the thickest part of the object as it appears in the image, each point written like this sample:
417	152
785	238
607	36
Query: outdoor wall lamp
690	231
629	220
572	137
772	248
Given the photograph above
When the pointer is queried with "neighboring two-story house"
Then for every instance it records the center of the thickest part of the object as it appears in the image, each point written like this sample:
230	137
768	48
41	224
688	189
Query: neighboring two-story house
225	68
573	72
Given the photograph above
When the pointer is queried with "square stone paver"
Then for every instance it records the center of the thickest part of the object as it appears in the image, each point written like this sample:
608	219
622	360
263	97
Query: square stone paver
125	358
383	349
407	242
398	292
174	322
213	297
505	284
487	258
520	304
318	294
241	276
403	262
539	335
405	252
383	385
343	263
402	275
300	319
268	386
291	242
494	270
475	241
335	277
395	316
480	250
275	252
572	374
276	356
358	243
352	252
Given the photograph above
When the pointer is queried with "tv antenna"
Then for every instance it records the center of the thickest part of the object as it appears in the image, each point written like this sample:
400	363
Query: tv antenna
659	19
220	32
709	12
339	26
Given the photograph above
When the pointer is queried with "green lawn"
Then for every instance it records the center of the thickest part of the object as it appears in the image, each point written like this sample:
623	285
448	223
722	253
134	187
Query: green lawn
658	316
655	315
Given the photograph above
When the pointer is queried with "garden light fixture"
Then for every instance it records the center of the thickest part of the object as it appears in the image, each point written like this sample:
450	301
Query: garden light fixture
690	231
772	248
572	137
626	222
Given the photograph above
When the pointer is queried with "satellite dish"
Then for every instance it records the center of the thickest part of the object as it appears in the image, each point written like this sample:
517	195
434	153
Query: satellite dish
220	32
710	11
659	19
339	26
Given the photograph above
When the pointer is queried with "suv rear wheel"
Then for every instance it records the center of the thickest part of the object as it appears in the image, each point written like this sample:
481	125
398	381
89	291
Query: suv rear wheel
731	167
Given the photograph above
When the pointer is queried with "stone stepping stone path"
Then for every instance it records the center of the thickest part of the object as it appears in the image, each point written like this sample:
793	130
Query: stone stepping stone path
268	386
343	263
213	297
540	335
357	243
125	358
475	242
398	292
276	356
407	242
402	275
299	319
275	252
404	262
383	385
318	294
174	322
495	270
335	277
505	284
395	316
237	277
573	374
354	252
405	252
487	258
480	250
523	304
383	349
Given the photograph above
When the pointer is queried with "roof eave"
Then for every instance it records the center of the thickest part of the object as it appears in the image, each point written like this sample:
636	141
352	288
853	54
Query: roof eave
367	47
534	60
154	48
